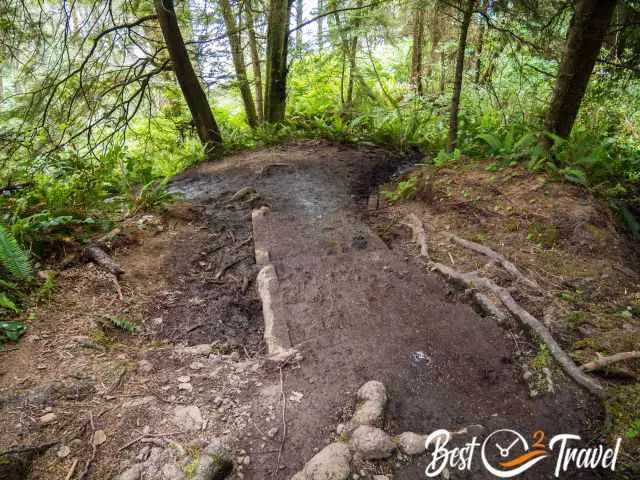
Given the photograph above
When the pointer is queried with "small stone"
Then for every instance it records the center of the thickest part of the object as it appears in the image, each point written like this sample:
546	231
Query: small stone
217	402
372	443
187	387
340	428
411	443
48	418
235	356
184	379
380	477
145	366
157	321
63	452
188	417
526	376
132	473
272	432
246	460
99	437
196	365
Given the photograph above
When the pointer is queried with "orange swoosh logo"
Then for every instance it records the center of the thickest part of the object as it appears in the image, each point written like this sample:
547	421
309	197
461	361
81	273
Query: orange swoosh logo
522	458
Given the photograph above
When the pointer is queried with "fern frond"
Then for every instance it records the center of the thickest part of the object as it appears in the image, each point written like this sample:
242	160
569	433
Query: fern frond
13	257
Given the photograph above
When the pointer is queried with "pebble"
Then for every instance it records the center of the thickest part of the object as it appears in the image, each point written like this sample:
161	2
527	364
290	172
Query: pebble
145	366
48	418
99	437
272	432
63	452
184	379
187	387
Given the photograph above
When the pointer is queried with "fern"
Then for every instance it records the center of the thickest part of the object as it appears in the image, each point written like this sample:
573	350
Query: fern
122	324
12	256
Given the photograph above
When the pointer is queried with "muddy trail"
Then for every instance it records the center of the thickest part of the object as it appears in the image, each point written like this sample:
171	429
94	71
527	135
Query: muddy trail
353	303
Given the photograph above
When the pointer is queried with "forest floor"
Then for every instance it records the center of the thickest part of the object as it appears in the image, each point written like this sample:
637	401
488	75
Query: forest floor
194	382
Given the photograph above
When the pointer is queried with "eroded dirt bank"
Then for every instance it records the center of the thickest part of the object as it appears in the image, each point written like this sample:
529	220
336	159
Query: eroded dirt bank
358	311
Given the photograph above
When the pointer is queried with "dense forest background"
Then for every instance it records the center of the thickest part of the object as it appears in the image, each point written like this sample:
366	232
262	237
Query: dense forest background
101	102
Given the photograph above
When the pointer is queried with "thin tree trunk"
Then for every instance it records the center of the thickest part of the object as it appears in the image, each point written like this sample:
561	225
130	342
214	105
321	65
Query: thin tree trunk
416	50
482	28
299	31
457	83
238	62
353	50
205	123
586	34
320	21
255	60
277	46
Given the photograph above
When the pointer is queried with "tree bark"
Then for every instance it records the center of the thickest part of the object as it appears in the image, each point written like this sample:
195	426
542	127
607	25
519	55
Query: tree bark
299	31
205	123
238	62
353	50
277	46
320	21
255	60
457	83
416	50
480	47
586	34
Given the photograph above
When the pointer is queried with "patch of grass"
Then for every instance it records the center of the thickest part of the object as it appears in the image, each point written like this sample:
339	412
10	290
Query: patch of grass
480	237
404	190
622	406
191	467
542	358
544	234
577	318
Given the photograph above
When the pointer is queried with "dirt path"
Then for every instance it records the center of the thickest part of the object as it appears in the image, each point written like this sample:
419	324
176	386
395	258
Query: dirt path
355	309
360	311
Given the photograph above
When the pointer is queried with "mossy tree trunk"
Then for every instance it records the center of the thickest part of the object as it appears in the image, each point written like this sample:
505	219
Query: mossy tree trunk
235	41
277	47
457	83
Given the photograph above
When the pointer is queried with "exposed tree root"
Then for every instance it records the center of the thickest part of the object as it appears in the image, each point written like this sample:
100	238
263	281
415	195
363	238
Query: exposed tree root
495	256
419	236
474	281
603	362
102	259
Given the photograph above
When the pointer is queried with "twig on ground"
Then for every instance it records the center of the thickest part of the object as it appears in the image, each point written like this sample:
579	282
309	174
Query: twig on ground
93	449
603	362
229	265
284	424
72	469
147	435
497	257
98	256
114	279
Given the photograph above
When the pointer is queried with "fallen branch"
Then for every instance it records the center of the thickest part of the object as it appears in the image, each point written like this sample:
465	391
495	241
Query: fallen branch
472	280
497	257
98	256
603	362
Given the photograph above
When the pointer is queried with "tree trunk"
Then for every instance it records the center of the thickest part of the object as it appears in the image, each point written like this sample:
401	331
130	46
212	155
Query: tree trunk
457	83
586	34
353	50
299	31
482	28
320	20
255	60
416	51
277	46
191	89
238	62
